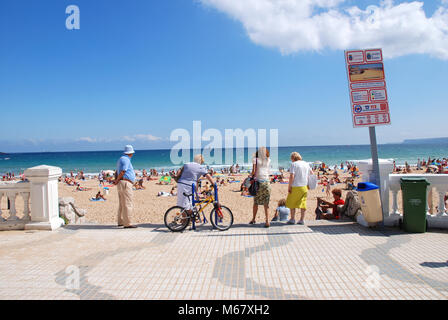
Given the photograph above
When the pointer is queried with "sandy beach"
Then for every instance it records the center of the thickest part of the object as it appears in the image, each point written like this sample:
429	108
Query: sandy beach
149	208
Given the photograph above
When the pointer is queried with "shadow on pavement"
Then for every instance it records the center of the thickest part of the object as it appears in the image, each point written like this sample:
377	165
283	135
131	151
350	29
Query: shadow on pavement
435	265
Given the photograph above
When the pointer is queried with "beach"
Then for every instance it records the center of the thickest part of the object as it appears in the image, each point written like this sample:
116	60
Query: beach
149	208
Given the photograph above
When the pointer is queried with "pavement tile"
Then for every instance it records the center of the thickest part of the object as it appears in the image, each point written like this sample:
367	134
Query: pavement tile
287	262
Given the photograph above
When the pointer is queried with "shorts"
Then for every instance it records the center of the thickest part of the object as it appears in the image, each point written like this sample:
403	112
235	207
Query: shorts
183	201
297	198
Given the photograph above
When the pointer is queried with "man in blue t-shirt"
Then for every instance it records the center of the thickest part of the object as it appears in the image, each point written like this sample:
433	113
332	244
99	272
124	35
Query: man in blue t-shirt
124	181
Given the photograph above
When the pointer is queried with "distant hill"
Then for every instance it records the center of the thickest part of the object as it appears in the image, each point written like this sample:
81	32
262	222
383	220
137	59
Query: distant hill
428	140
3	154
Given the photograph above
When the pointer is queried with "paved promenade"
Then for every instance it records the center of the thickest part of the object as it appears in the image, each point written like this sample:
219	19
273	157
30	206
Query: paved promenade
321	260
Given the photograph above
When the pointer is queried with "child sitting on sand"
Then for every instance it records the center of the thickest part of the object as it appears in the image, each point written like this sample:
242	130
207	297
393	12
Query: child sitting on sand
206	189
244	189
139	185
281	211
99	196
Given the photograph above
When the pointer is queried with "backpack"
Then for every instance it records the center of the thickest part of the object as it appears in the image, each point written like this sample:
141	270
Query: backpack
352	205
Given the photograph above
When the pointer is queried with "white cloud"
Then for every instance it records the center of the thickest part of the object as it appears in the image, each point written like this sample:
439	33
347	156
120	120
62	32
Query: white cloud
147	137
133	138
314	25
128	139
87	139
140	137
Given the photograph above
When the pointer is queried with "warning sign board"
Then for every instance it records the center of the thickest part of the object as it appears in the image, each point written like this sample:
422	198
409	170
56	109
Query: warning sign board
367	86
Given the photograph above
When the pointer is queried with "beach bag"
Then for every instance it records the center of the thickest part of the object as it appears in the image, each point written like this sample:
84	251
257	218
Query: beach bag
254	184
312	182
179	174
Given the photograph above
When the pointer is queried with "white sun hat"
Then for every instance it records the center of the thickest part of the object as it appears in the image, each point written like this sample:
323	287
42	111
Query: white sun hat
128	149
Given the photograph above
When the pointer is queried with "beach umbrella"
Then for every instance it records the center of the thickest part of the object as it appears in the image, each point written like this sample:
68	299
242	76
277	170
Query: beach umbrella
433	167
165	179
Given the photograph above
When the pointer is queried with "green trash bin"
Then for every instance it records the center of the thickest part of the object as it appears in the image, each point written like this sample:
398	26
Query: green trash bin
413	191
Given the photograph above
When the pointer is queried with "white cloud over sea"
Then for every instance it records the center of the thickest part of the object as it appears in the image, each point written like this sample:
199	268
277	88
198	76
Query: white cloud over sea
291	26
132	138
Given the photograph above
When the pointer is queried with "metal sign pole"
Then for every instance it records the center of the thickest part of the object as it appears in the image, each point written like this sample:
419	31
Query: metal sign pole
375	163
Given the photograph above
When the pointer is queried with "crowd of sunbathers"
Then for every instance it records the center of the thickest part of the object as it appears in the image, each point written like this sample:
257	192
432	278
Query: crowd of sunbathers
432	165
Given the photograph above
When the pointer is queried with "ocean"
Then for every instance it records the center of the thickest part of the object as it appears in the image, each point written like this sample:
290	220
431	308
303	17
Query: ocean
92	162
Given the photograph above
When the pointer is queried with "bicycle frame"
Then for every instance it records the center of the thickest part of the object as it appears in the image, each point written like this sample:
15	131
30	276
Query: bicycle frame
196	202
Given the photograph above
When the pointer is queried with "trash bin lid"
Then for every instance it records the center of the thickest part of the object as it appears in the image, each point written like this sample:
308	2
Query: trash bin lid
366	186
414	180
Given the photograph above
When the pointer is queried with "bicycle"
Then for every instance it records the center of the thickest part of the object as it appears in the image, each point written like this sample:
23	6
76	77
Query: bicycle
177	218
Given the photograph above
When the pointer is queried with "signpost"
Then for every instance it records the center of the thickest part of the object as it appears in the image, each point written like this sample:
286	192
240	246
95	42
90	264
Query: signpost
368	96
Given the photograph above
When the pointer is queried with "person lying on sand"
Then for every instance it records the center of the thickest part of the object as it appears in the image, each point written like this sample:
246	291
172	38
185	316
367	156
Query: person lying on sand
79	188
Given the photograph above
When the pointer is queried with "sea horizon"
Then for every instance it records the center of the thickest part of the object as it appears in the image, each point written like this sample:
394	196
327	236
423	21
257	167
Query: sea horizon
92	162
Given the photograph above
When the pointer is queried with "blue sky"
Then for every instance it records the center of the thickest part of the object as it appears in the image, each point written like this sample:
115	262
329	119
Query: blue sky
138	69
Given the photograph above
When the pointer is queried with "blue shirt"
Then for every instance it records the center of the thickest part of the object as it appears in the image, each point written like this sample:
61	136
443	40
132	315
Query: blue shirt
283	213
124	164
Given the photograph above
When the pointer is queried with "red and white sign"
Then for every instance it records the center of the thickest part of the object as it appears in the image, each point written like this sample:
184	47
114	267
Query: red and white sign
367	85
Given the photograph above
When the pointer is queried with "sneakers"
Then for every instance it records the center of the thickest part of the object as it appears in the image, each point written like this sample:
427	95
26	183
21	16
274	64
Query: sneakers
300	222
292	221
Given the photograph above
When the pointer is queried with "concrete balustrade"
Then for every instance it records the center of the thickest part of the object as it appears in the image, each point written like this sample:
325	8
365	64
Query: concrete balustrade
12	191
40	200
390	183
438	182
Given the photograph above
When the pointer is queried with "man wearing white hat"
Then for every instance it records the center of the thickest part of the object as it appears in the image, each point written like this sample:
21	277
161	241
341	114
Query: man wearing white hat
124	182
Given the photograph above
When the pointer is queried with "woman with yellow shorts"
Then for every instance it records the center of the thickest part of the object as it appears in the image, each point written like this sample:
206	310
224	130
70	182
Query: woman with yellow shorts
298	187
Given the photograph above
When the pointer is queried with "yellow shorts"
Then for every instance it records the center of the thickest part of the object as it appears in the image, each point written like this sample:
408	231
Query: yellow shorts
297	198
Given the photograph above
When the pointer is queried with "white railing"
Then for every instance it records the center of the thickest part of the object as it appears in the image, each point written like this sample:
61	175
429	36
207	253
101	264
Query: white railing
438	182
11	190
40	193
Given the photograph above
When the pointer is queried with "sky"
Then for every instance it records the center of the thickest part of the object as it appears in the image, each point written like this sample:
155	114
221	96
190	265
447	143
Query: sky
136	70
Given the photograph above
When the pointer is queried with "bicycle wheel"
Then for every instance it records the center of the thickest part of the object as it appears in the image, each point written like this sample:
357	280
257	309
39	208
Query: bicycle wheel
222	219
176	219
